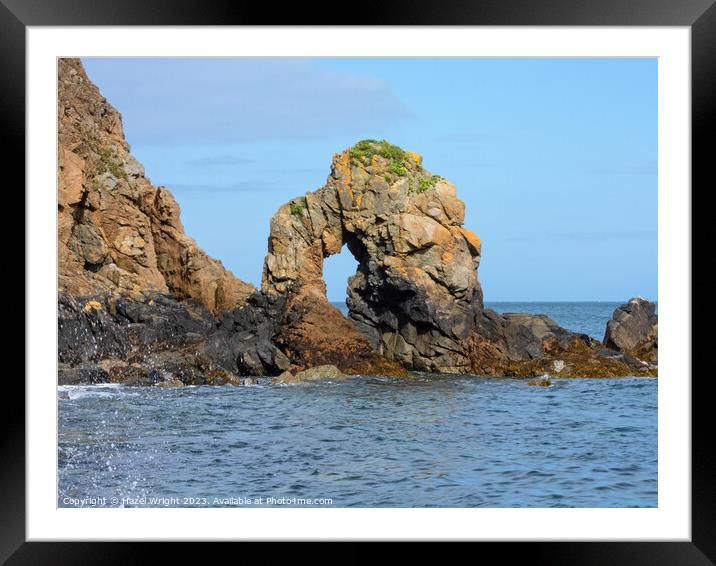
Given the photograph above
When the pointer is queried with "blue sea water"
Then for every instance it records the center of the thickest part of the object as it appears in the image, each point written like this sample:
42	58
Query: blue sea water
431	441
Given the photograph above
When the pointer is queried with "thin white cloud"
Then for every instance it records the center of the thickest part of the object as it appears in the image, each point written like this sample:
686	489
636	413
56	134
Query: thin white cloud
170	101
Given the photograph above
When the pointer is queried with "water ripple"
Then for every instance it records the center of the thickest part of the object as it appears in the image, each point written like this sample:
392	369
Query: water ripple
368	442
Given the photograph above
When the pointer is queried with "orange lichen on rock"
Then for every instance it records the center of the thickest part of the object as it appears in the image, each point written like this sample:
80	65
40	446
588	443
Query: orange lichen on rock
415	157
92	306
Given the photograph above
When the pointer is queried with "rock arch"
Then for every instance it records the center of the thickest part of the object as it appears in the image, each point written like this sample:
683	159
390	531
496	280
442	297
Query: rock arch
415	297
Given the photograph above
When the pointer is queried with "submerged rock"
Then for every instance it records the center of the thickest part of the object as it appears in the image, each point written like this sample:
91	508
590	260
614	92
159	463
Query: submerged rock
171	384
285	377
543	381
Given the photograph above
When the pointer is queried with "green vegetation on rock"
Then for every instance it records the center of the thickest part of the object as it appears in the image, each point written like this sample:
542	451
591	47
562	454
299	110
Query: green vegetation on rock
422	184
426	183
401	163
105	160
398	168
365	150
297	208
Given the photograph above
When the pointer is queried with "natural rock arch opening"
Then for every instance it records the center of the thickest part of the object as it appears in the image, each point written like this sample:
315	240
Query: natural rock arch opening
415	297
337	271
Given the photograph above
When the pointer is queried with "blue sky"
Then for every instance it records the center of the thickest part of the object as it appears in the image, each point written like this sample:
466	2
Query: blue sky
554	158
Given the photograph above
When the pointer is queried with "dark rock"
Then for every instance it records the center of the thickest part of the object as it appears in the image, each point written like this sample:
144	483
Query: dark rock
634	329
543	381
243	341
84	374
132	375
96	328
167	338
88	332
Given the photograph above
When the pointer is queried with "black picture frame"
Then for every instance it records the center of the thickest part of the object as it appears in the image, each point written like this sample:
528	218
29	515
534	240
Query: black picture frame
699	15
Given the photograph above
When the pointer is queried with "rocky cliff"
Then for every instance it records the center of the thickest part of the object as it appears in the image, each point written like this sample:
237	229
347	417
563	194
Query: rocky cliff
138	297
140	303
118	233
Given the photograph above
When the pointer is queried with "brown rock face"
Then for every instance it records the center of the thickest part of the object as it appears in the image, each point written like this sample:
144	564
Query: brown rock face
314	333
415	297
118	233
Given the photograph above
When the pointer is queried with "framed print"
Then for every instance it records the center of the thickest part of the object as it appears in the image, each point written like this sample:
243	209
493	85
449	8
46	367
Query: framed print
393	280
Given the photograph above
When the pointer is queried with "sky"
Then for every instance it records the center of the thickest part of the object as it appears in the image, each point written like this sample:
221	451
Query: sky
555	159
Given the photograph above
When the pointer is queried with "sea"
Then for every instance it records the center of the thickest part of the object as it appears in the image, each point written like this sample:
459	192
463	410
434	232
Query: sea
370	441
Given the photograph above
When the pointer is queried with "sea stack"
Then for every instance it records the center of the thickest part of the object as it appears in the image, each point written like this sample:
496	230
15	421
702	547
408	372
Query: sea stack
415	296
